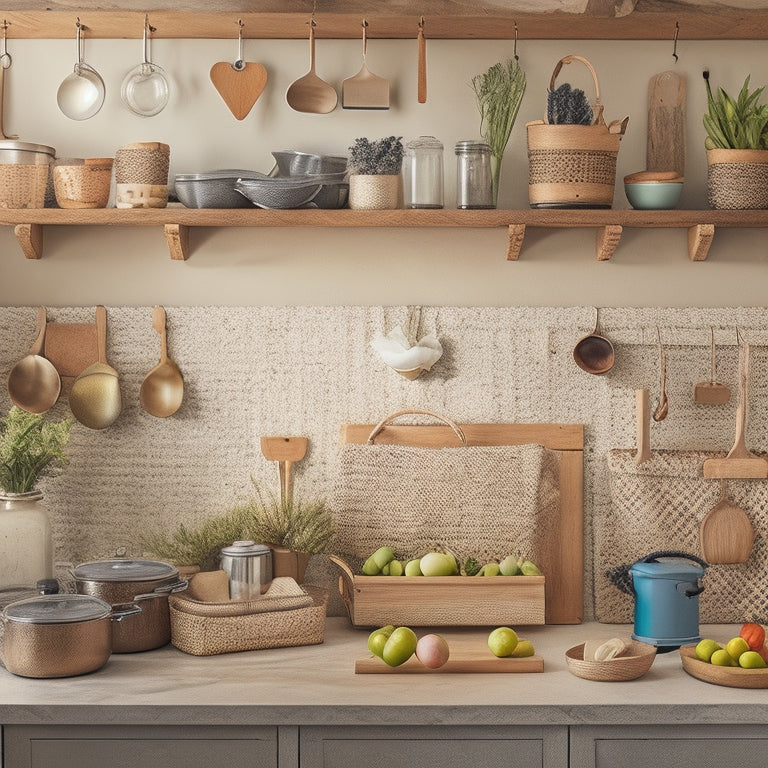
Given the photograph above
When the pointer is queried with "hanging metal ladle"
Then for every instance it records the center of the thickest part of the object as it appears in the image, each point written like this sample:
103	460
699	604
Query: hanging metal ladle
81	93
145	88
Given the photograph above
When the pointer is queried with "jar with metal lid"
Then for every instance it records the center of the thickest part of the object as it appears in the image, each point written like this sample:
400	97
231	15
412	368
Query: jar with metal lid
474	187
249	567
423	173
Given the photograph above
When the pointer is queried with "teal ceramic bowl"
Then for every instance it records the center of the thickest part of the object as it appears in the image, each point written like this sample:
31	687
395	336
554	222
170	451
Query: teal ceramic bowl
653	195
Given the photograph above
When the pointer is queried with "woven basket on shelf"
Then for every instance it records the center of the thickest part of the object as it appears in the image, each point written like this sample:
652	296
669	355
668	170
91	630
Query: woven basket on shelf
573	166
82	183
23	186
207	629
737	179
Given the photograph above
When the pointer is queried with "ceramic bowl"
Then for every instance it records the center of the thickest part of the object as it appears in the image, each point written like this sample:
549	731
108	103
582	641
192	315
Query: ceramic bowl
653	195
629	666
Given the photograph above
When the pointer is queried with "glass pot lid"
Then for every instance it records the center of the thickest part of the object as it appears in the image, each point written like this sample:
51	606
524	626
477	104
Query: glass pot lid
125	570
57	609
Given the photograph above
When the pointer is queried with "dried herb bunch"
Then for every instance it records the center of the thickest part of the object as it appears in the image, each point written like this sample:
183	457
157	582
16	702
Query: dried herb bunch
382	157
30	446
302	526
499	92
568	106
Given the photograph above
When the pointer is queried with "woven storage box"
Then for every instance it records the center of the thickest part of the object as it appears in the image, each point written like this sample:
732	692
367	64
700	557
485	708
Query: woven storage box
737	179
573	166
659	505
82	183
207	629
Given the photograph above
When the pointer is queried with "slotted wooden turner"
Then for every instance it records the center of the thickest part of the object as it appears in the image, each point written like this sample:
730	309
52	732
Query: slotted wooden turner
284	450
726	533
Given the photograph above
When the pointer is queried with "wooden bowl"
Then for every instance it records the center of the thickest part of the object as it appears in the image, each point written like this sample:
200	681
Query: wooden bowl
734	677
635	663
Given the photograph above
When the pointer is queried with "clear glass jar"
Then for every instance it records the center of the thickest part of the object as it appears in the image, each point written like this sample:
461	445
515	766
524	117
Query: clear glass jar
423	173
474	187
26	548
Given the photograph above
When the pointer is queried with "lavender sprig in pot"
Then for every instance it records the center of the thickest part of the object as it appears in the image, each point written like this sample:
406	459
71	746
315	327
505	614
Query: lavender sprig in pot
376	181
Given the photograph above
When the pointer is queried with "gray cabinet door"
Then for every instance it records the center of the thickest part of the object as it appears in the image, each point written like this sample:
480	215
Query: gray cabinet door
433	747
679	746
139	746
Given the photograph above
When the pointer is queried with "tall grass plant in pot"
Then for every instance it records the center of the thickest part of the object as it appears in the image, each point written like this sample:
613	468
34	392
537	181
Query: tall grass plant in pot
737	148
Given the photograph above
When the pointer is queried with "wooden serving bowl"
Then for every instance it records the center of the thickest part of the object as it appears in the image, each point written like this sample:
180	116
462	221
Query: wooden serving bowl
631	665
734	677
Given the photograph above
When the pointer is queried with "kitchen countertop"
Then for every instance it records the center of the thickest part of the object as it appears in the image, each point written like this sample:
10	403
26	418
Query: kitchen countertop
317	685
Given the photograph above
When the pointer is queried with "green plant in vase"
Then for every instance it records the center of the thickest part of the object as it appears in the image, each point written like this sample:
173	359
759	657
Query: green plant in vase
499	92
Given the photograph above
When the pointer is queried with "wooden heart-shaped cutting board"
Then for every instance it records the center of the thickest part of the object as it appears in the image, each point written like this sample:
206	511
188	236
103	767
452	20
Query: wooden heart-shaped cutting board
240	88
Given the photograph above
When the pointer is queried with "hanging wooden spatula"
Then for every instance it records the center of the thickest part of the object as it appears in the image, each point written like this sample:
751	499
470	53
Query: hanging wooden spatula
726	533
239	83
284	450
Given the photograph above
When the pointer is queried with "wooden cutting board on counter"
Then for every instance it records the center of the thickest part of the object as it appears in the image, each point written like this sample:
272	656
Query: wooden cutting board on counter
469	654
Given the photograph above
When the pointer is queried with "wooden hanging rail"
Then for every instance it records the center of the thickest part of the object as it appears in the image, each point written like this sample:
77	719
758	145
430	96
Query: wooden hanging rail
656	23
177	220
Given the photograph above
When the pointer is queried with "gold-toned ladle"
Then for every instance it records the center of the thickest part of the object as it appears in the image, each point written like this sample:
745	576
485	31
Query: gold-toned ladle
34	383
162	390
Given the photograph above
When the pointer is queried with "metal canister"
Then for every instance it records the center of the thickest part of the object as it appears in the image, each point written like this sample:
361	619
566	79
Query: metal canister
249	567
473	175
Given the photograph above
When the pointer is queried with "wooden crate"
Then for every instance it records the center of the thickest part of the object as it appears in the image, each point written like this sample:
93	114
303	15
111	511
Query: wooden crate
434	601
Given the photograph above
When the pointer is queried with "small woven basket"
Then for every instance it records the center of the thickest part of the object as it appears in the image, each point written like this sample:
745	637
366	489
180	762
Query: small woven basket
629	666
573	166
208	629
23	186
82	183
737	179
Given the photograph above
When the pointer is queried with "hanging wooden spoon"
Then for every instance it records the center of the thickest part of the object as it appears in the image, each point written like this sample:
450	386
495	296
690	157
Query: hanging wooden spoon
421	71
662	408
162	390
726	533
311	93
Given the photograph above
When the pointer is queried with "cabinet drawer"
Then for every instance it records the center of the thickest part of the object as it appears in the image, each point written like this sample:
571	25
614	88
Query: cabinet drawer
139	747
433	747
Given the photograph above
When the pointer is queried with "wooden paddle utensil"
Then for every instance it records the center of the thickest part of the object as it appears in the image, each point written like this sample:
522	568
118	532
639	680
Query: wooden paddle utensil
711	392
726	533
239	83
284	450
740	462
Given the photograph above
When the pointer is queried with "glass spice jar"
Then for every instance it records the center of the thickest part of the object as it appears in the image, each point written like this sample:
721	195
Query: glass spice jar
423	173
473	175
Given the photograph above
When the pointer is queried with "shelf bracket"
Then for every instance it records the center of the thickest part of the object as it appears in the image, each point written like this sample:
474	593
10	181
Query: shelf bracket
177	237
515	241
607	240
30	237
700	237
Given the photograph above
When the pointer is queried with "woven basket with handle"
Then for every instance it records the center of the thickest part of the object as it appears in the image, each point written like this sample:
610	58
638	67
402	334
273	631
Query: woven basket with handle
573	166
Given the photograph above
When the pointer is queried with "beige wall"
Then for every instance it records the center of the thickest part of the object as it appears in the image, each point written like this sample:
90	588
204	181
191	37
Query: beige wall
243	267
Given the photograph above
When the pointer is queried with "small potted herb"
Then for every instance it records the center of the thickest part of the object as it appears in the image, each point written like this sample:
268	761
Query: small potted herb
375	167
737	148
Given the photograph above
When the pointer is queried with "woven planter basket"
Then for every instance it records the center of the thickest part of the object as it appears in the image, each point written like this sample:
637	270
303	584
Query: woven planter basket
737	179
573	166
375	192
83	183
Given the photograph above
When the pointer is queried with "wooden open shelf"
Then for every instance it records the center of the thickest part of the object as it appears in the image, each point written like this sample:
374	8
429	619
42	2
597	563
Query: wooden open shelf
653	20
176	222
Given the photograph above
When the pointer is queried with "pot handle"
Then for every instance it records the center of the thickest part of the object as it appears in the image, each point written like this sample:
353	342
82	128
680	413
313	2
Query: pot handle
654	556
689	588
165	589
121	610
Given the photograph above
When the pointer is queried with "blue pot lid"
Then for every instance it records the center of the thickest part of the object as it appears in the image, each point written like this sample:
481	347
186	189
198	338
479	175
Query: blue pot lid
668	569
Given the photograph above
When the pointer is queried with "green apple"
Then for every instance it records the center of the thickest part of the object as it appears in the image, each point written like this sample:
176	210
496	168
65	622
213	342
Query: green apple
491	569
378	639
438	564
509	567
751	660
400	646
705	648
396	568
721	658
374	564
502	641
413	567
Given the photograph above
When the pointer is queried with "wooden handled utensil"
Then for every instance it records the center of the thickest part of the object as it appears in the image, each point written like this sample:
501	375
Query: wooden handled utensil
726	533
662	408
311	93
740	462
284	450
643	416
365	90
711	392
421	72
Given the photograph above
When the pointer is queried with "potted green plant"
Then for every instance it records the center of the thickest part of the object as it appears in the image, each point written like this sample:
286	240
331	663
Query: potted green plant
737	148
498	92
375	168
294	530
30	446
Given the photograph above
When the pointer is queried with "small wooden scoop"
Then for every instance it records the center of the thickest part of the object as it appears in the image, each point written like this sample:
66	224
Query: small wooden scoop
739	463
311	93
365	90
711	392
284	450
726	533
